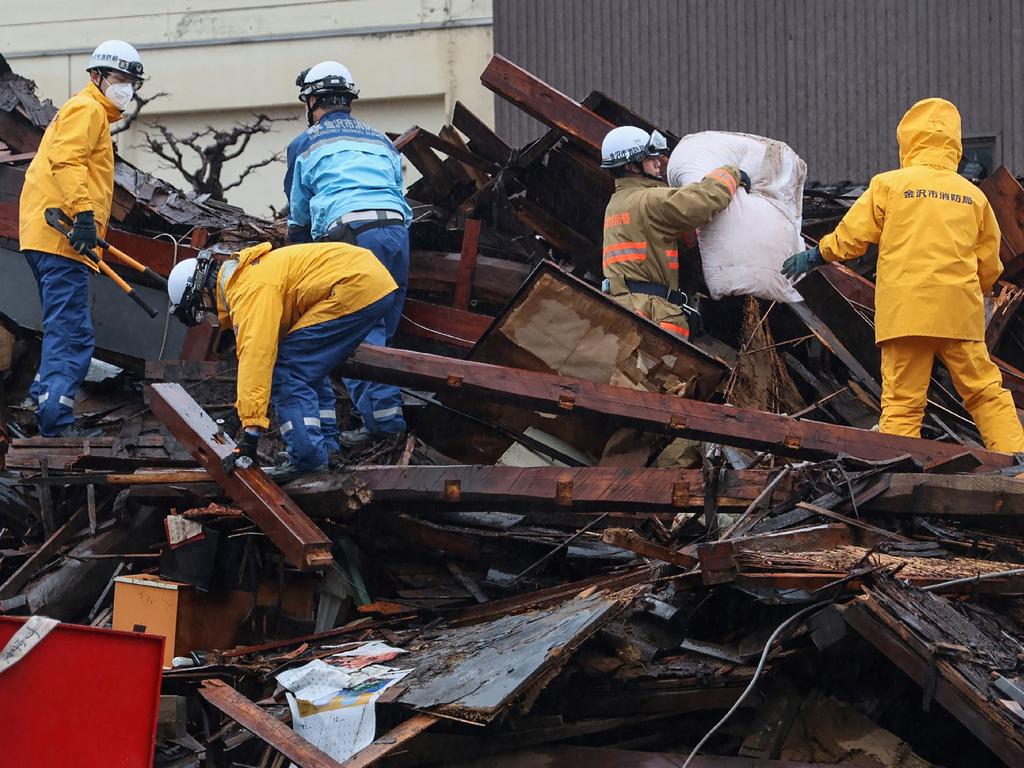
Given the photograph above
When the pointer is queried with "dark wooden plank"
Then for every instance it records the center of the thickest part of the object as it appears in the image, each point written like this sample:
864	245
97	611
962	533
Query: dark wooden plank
952	495
626	538
541	101
298	537
46	550
495	281
447	325
648	411
1006	196
923	672
467	263
264	726
384	745
667	489
1005	304
482	140
606	757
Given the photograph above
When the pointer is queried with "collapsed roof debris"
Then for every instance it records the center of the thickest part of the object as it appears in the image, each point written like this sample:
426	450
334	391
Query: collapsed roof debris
586	550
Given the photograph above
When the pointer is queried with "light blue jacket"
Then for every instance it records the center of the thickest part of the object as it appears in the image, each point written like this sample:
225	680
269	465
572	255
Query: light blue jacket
341	165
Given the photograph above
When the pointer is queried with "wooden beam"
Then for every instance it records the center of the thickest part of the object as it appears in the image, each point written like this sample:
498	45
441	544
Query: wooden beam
656	488
264	726
299	539
539	100
627	538
1006	302
495	281
1006	196
384	745
923	672
647	411
454	327
482	140
17	580
952	495
467	264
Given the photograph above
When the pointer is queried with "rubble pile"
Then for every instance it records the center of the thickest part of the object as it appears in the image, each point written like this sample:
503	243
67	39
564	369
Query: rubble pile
599	542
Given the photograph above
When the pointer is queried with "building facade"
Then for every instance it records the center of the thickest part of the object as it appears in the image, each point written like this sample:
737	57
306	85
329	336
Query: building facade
221	61
829	77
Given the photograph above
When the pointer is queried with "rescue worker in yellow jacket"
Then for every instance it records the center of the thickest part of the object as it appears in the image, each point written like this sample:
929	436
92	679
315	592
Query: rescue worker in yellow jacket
938	256
645	219
73	170
297	312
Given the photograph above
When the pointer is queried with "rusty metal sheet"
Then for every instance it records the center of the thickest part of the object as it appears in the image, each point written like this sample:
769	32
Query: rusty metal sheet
298	537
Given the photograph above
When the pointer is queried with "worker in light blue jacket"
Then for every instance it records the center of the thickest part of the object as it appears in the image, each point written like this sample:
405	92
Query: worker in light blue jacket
344	184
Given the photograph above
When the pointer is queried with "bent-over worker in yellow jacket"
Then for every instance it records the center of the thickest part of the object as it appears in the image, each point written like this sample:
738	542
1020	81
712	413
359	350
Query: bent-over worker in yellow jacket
297	312
73	170
645	219
938	256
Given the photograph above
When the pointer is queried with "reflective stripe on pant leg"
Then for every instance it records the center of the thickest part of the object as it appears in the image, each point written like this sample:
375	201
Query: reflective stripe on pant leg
906	371
369	397
328	414
67	339
295	403
980	383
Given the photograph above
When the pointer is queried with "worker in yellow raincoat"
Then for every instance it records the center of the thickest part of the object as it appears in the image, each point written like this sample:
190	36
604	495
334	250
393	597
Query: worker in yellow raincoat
297	312
73	170
938	256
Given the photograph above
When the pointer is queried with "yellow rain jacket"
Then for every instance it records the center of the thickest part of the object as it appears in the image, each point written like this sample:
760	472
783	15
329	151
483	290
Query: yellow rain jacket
72	170
268	294
938	240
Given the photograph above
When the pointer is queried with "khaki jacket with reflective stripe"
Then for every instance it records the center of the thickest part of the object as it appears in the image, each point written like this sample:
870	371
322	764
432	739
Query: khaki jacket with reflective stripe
645	220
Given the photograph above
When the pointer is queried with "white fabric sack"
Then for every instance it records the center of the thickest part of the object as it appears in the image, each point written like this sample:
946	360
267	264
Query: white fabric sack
742	249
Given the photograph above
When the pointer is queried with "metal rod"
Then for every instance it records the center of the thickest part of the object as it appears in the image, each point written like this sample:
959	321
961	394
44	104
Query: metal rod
970	579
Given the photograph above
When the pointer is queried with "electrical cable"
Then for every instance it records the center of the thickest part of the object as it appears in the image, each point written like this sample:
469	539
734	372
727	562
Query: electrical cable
753	681
439	333
174	263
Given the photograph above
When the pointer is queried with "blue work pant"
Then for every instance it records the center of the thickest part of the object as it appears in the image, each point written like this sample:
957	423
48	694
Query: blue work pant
380	405
301	381
68	339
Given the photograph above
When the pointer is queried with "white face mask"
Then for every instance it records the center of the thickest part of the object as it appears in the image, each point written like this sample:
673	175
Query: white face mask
120	94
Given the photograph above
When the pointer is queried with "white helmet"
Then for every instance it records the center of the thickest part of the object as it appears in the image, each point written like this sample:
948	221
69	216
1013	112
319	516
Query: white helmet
118	56
629	144
326	78
185	287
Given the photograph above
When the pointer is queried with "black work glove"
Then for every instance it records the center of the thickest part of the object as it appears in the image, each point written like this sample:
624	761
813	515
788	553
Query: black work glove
745	180
298	234
246	448
802	263
83	235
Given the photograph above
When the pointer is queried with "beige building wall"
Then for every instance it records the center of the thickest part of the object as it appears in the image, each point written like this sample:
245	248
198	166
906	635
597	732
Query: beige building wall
220	61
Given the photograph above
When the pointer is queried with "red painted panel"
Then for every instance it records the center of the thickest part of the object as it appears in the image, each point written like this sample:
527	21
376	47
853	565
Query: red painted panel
84	697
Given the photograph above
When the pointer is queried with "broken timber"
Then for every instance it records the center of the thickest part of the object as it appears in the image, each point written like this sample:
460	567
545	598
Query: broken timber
667	489
265	726
298	537
647	411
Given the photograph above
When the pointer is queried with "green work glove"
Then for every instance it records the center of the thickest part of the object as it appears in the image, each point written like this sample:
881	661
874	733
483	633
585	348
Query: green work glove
801	263
83	235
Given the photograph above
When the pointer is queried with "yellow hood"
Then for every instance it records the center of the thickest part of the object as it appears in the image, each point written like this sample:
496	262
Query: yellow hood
929	134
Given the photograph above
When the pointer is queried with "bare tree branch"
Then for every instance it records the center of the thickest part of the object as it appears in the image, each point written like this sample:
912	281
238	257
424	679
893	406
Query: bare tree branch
212	148
274	158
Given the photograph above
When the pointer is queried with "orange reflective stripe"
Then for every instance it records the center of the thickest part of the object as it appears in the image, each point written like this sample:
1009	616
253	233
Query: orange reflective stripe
722	175
625	257
673	259
673	328
625	246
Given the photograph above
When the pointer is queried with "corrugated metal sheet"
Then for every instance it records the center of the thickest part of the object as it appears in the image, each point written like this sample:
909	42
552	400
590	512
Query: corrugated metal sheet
830	77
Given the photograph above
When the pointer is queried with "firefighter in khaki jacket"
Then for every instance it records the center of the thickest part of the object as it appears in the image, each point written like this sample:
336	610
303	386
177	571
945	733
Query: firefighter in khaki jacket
74	171
645	220
297	312
938	256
